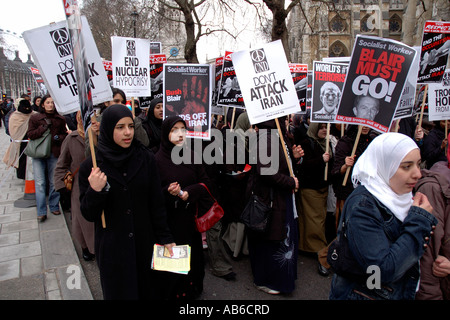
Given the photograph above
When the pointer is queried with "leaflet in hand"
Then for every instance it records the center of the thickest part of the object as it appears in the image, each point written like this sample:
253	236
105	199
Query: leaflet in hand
180	262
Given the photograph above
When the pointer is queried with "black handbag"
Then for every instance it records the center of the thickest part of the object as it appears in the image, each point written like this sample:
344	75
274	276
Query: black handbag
342	261
256	213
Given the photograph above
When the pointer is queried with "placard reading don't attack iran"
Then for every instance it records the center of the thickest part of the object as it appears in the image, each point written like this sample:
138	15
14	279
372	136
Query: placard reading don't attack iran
130	64
266	82
52	51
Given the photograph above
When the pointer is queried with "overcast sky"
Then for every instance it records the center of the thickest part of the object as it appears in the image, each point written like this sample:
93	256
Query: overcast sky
21	15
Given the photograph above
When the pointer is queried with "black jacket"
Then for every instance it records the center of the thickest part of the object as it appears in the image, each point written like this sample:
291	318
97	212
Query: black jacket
135	220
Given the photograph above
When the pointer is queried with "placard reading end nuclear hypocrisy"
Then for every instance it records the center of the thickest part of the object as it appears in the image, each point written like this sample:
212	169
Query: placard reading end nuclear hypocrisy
266	82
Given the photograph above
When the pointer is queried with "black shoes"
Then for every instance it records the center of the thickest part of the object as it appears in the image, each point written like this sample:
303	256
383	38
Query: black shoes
229	276
323	271
41	219
87	256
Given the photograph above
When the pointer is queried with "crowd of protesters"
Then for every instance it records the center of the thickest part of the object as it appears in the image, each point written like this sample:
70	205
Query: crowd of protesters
133	195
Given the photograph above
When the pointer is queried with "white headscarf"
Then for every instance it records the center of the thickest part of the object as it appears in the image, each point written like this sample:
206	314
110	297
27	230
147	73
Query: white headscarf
376	166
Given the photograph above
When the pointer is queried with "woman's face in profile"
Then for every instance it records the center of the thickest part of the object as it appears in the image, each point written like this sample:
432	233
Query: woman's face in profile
407	174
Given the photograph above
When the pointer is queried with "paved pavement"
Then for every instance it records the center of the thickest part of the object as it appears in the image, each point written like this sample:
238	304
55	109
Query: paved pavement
38	261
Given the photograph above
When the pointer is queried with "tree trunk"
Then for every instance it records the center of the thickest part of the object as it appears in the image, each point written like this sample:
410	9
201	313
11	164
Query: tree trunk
190	48
409	22
279	28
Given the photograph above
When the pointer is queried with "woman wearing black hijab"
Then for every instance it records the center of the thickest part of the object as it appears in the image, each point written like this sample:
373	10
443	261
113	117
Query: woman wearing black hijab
152	124
182	192
273	254
126	187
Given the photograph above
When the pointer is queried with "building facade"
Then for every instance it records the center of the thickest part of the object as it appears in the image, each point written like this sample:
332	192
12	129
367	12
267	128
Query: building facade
16	77
322	29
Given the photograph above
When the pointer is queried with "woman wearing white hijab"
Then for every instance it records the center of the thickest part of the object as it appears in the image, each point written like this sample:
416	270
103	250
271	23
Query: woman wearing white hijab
383	228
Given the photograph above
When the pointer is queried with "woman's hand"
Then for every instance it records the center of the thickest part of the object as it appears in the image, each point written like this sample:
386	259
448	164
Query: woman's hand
326	157
174	189
297	152
421	201
169	247
97	179
441	267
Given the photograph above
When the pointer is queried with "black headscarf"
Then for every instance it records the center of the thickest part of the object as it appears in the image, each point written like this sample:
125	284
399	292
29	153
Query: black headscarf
167	125
153	122
106	145
24	106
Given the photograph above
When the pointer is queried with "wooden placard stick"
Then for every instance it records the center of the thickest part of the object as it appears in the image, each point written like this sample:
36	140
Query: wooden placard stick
423	106
232	119
397	125
132	106
353	153
291	172
94	161
327	149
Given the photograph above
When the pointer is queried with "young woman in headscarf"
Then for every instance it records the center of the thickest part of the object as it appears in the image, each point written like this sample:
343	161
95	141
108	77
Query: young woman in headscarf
273	254
385	228
152	124
18	127
182	194
125	187
70	159
314	188
43	169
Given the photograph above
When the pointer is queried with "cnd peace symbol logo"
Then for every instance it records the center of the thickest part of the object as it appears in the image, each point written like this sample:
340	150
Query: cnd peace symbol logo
61	40
258	55
131	48
259	60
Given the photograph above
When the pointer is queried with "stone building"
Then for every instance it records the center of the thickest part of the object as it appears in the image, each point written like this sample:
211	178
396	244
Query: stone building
331	27
16	77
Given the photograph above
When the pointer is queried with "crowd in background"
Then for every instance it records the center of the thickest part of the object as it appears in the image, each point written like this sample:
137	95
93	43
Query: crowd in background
146	198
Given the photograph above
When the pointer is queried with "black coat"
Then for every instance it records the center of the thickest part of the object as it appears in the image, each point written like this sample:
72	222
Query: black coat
432	151
135	220
344	149
312	170
279	180
180	214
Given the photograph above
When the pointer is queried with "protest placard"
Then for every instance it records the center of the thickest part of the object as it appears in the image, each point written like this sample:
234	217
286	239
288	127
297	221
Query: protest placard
266	82
299	74
156	74
52	52
39	80
405	107
187	93
439	99
218	67
230	94
130	63
374	82
435	51
327	83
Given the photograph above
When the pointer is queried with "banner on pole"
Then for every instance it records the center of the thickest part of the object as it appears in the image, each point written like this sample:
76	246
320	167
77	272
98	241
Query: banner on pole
405	107
266	82
374	82
328	81
51	49
187	93
130	63
435	51
439	99
230	94
299	74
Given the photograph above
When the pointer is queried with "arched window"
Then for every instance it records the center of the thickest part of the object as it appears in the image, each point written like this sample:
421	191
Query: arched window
338	49
395	24
337	24
367	23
